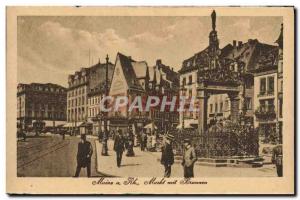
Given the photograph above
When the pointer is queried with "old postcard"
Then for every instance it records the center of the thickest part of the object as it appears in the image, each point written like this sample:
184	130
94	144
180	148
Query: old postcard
145	100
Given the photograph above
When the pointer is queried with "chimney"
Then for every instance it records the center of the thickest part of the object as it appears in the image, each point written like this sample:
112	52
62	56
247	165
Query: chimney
158	62
129	57
240	44
234	43
172	69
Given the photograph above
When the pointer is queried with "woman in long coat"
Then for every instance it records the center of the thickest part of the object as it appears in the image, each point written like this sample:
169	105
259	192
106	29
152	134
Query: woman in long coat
130	140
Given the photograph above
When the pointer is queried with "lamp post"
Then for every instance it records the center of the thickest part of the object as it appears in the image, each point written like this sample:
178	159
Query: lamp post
105	135
182	90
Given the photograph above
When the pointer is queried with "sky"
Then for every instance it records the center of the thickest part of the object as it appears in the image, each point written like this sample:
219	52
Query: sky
51	48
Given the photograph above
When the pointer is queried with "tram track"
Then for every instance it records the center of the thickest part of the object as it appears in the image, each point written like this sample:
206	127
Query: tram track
36	155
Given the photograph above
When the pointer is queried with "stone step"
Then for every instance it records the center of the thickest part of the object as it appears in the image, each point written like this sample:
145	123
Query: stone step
228	163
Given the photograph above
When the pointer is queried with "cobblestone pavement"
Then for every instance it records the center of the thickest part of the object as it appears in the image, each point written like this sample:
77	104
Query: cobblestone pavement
50	156
146	164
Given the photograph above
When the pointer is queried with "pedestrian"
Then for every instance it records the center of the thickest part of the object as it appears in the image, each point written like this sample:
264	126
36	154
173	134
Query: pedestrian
104	143
149	142
100	135
84	154
119	146
130	138
277	159
189	159
167	155
153	142
143	138
63	135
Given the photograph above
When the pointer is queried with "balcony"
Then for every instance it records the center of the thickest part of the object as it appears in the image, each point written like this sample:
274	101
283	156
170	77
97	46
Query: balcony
265	112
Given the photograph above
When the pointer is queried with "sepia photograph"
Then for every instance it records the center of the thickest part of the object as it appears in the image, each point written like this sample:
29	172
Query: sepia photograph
132	99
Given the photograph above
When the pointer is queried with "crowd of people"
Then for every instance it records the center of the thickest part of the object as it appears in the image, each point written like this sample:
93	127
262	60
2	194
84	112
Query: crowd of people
150	142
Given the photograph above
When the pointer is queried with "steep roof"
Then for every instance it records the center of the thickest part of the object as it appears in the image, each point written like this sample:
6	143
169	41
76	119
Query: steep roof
169	74
267	59
129	72
279	41
248	53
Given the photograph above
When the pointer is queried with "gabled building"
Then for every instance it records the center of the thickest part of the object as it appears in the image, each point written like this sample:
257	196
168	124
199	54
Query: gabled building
135	78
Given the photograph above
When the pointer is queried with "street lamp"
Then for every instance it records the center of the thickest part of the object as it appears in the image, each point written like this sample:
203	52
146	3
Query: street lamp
105	135
182	90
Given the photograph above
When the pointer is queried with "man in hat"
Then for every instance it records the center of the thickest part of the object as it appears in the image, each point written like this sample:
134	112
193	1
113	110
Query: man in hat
119	146
277	159
84	154
104	143
167	155
189	159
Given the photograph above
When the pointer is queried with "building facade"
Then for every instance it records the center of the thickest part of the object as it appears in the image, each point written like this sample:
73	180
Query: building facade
46	103
95	94
80	85
214	64
135	78
268	93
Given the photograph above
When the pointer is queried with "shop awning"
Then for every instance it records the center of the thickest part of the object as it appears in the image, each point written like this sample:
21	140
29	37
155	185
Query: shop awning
84	124
60	123
150	126
67	125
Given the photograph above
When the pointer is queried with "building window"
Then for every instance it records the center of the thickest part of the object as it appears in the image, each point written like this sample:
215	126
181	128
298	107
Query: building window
216	107
221	107
271	85
248	83
190	93
248	103
190	79
211	108
262	86
267	105
184	81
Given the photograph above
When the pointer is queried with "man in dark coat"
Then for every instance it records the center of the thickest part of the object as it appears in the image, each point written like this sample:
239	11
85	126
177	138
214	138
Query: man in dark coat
130	138
84	154
277	159
143	139
104	143
119	146
167	155
189	159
